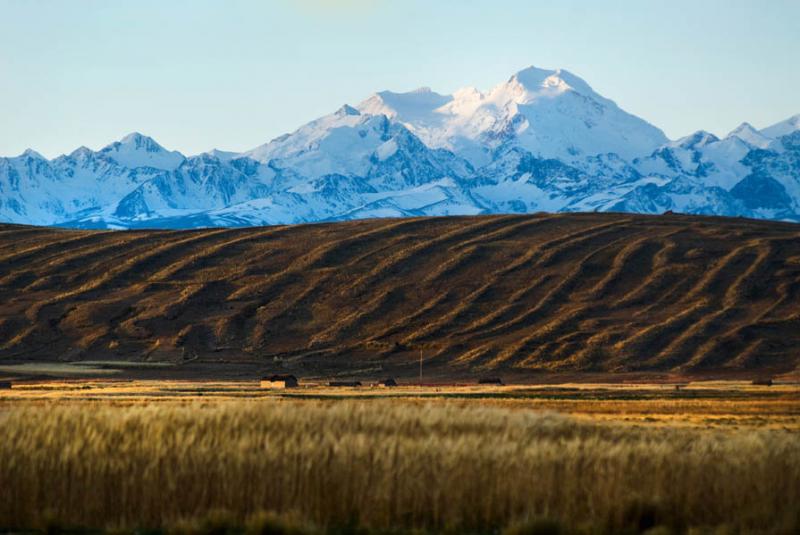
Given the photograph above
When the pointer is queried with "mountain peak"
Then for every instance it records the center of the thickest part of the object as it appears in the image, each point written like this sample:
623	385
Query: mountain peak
744	127
140	141
541	139
783	128
133	136
747	133
406	107
138	150
346	109
698	139
222	155
535	79
81	152
30	153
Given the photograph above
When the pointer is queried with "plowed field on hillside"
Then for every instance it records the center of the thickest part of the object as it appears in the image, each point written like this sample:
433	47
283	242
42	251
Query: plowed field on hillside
486	294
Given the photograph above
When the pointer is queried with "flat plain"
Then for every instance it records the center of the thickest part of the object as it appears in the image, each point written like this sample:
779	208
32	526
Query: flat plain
221	456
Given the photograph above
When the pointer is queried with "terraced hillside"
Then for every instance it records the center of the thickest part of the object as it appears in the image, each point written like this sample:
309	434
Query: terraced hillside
568	292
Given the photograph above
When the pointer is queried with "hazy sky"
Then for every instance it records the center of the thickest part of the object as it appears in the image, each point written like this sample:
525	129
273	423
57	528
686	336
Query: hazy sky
233	74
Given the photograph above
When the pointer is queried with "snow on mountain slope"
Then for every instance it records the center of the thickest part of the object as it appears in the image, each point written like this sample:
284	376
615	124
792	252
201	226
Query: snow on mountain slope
325	170
417	109
200	183
136	150
750	135
783	128
702	155
30	191
544	140
350	143
324	145
37	191
772	188
551	113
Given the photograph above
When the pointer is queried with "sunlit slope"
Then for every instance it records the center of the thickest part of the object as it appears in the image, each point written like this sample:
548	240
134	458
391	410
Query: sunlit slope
593	292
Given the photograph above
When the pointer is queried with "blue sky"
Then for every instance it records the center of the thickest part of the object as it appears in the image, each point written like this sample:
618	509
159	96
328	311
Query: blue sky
233	74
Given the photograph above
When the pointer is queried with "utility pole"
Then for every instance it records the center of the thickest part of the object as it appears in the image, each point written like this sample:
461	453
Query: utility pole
420	366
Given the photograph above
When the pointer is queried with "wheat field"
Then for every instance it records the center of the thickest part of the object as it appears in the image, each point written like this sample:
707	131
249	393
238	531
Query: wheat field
310	466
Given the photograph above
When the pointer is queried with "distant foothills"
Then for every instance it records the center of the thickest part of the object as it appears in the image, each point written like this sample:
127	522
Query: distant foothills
543	141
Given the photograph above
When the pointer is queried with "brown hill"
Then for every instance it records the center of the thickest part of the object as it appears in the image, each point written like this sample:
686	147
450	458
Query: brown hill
570	292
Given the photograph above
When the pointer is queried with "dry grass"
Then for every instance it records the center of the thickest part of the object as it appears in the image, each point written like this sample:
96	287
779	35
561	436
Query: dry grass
385	464
706	404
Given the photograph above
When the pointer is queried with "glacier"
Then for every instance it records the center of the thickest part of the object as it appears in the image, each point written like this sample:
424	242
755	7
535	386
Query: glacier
543	140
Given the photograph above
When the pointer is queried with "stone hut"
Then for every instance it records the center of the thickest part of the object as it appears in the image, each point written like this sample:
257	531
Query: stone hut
279	381
388	382
344	383
490	381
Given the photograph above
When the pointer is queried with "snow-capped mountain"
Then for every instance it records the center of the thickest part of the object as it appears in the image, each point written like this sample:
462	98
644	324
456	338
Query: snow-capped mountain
541	141
552	114
783	128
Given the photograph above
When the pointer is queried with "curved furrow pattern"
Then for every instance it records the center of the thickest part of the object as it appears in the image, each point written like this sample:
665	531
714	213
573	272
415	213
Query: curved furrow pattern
464	255
128	272
327	253
648	341
440	323
409	322
511	301
630	263
265	292
474	358
701	299
463	258
39	252
532	288
471	307
344	250
394	262
141	268
519	350
515	230
347	324
737	313
720	311
288	308
123	274
194	261
633	262
579	269
511	294
14	240
662	266
589	303
405	259
81	263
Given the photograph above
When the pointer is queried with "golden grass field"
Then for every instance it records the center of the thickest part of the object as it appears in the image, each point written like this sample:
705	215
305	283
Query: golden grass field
630	344
517	294
210	457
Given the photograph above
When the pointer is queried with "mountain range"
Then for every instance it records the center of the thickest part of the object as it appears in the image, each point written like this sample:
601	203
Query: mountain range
543	141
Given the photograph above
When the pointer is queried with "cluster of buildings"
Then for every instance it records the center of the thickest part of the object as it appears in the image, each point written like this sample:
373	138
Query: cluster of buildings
290	381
